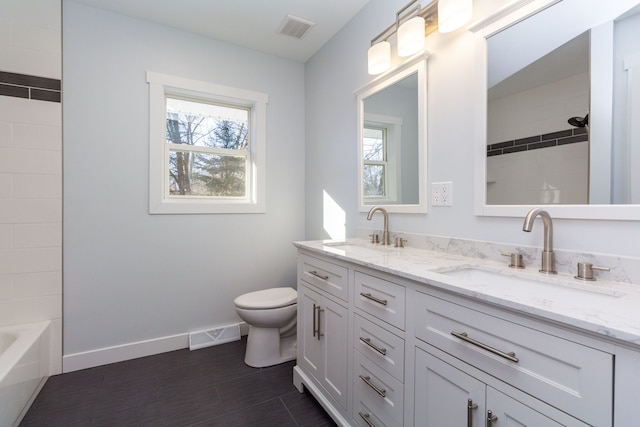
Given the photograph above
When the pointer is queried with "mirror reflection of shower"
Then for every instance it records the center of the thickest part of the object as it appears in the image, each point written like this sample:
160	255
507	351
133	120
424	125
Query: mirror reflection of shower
579	122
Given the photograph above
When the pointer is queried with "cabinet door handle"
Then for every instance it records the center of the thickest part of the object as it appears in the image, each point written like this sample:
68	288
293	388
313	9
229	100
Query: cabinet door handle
316	321
318	275
470	407
463	336
367	380
374	299
367	341
490	418
365	417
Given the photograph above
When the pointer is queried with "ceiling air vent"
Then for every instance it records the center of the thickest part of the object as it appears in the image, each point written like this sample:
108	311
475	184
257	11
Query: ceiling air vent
293	26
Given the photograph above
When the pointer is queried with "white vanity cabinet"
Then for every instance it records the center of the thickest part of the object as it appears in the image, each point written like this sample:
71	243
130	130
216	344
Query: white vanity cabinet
378	341
323	327
446	395
381	349
540	360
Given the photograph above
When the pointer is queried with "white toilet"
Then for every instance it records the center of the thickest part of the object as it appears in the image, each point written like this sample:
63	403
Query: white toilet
271	316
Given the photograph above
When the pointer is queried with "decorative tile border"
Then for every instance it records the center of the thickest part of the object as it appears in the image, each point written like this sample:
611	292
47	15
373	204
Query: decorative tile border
30	87
569	136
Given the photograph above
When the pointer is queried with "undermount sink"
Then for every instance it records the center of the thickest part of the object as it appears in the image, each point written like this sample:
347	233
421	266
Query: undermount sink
515	283
346	245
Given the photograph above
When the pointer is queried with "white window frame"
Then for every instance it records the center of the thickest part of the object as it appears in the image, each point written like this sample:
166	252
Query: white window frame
393	159
163	85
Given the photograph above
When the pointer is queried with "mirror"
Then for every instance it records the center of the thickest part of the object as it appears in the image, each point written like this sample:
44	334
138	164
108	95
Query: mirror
547	133
391	140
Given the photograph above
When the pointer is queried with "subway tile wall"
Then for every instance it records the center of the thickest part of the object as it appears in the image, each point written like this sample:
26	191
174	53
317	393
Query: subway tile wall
31	166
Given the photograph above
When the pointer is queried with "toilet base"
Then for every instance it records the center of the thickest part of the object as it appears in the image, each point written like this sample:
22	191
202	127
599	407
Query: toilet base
266	347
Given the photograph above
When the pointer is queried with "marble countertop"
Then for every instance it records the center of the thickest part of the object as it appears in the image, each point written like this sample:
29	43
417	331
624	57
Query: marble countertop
609	309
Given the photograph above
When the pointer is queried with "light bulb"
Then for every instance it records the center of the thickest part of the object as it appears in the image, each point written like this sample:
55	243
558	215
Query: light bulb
453	14
379	57
411	36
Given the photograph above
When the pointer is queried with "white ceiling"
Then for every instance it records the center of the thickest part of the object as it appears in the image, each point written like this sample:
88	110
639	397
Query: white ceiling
252	24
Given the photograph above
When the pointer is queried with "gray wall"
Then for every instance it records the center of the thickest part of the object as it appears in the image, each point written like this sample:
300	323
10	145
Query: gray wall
130	276
340	68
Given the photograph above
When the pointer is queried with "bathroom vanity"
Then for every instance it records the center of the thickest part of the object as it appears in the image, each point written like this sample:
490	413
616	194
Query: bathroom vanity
413	337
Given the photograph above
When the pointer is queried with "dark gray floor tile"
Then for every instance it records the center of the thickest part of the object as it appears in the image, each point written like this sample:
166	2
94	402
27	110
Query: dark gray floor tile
305	410
65	418
210	386
74	392
271	413
125	393
267	383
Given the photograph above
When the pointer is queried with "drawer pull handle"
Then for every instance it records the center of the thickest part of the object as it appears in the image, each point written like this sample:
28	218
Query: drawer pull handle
470	407
367	380
316	321
367	341
463	336
318	275
491	418
365	417
374	299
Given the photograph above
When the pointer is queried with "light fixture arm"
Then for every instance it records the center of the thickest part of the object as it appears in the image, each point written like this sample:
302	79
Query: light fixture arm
429	13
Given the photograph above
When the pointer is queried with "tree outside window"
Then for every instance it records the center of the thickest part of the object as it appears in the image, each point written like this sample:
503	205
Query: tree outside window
374	154
208	148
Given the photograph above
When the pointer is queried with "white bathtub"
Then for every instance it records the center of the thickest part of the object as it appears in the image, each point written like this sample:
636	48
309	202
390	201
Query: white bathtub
24	368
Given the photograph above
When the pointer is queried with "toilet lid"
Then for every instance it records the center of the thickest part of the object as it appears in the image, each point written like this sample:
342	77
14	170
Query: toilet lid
268	298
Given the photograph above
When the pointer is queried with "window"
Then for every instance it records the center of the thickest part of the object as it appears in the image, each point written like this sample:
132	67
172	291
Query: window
381	158
207	147
374	154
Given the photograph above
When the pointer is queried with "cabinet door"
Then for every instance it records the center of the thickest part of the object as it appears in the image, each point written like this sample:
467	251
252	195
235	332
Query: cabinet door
310	356
322	341
508	412
443	394
334	328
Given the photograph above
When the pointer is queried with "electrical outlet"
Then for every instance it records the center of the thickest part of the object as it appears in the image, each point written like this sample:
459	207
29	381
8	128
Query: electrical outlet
442	194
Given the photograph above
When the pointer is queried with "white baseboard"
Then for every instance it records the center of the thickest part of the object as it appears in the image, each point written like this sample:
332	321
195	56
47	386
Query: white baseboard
119	353
104	356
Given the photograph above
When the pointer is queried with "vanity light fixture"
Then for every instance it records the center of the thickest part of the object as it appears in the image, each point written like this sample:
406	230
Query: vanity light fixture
412	24
453	14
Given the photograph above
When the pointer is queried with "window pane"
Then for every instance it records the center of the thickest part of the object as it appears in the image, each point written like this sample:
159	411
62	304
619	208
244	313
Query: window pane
207	125
204	174
374	181
373	144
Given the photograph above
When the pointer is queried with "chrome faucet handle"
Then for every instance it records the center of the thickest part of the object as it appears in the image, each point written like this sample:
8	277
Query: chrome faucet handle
585	271
516	260
400	242
374	238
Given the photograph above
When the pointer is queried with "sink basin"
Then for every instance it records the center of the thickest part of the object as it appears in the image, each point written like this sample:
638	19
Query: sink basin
519	284
347	245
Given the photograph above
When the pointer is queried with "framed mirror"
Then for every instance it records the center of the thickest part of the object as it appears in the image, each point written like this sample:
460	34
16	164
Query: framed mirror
392	146
557	122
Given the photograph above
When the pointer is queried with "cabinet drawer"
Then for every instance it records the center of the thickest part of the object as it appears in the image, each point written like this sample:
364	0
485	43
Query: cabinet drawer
380	298
379	391
380	346
570	376
366	414
329	277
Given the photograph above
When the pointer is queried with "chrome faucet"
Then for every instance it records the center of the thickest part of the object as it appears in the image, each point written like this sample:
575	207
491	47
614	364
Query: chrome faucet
548	261
385	234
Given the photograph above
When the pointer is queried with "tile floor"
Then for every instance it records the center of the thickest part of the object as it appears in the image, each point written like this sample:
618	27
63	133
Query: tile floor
206	387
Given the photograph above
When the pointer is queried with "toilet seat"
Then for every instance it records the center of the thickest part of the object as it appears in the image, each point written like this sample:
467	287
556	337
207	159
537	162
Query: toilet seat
267	299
